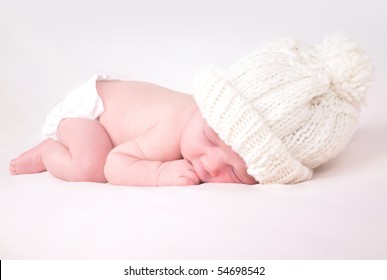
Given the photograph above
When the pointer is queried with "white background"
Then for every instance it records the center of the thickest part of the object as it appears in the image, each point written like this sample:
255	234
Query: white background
47	48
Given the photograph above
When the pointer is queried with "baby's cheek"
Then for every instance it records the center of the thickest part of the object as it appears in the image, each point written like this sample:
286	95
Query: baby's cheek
226	176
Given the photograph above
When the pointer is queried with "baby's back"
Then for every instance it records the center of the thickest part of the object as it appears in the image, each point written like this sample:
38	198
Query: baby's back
132	108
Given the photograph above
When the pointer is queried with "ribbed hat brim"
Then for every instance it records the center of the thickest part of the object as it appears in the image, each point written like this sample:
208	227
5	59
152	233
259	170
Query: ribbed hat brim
243	129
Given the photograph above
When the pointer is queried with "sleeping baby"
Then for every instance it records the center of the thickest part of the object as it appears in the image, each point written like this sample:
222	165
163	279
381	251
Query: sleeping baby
272	117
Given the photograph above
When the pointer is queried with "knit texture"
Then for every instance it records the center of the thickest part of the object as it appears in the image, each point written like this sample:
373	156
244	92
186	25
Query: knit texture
288	106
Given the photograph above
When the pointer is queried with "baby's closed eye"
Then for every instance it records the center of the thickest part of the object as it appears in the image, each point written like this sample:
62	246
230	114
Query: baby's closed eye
235	176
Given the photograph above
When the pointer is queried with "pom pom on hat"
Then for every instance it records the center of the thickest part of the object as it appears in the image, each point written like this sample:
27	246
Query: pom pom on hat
351	69
288	106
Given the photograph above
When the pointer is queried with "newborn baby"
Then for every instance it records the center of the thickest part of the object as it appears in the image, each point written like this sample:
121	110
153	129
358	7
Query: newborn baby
147	135
272	117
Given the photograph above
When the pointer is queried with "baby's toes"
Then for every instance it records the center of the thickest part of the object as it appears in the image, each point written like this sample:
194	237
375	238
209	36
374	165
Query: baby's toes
12	167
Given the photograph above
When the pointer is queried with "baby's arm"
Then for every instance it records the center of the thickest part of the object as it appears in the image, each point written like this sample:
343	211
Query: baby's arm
134	163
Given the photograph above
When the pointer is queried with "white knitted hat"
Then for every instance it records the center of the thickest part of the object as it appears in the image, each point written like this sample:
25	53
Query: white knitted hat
288	106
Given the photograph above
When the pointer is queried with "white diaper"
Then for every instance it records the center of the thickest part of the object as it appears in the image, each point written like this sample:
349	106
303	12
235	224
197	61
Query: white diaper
83	102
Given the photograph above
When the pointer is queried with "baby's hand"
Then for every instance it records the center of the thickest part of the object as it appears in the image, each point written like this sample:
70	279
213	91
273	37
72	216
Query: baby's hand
177	173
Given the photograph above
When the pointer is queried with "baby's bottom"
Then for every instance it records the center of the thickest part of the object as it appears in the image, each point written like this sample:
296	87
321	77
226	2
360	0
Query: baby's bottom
78	155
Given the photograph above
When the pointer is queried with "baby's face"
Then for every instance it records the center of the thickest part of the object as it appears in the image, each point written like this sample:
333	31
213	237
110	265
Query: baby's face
212	159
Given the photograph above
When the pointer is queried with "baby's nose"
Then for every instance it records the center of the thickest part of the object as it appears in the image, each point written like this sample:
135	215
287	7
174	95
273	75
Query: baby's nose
212	164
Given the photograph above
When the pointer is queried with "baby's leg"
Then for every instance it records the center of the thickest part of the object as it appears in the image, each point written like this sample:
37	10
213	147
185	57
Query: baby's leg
80	152
30	161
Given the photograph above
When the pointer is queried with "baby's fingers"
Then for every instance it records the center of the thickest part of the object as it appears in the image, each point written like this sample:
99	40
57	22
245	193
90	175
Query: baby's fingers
188	180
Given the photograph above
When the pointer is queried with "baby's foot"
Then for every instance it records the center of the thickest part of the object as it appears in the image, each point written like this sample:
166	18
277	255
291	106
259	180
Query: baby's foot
29	161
